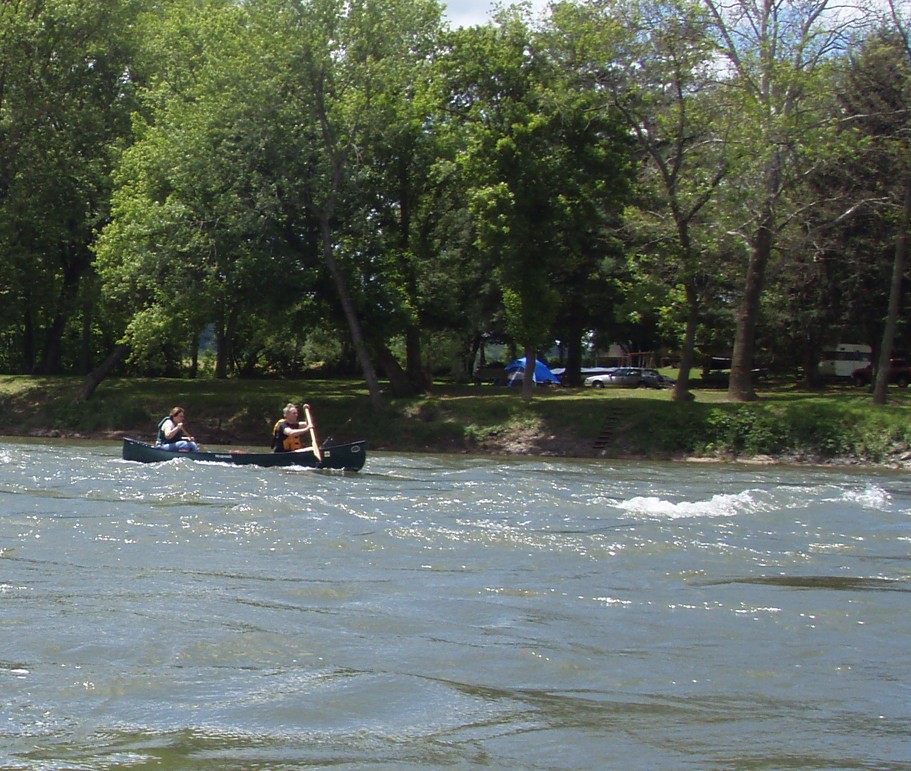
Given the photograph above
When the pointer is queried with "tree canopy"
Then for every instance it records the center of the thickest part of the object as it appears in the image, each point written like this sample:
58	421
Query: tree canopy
275	186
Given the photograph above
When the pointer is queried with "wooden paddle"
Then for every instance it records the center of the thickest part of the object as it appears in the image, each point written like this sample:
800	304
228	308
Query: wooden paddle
308	416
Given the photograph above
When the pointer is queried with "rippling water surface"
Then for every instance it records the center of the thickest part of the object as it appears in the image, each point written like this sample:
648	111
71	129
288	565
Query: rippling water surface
450	612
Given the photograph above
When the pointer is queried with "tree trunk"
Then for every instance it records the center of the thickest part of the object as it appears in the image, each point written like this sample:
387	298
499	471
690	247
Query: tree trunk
681	392
194	356
475	351
28	335
740	388
52	355
221	352
399	381
85	342
528	377
94	378
573	375
810	379
414	367
574	331
881	383
354	324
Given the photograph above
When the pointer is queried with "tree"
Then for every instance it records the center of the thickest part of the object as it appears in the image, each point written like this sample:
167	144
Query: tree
188	245
774	54
65	99
545	168
397	169
841	265
883	105
655	61
282	139
344	63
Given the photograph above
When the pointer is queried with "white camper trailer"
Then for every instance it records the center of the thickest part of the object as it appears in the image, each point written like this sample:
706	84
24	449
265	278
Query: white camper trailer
843	359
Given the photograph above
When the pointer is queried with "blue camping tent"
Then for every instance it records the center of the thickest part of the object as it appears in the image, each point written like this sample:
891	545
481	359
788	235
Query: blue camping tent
542	373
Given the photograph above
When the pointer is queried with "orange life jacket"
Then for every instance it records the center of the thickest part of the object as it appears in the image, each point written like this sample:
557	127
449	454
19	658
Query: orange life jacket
284	443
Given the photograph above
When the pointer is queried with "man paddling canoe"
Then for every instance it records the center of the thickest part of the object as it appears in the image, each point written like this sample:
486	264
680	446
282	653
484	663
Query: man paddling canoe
289	434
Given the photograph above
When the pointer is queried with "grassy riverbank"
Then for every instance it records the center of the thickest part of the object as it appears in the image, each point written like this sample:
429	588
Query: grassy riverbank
839	424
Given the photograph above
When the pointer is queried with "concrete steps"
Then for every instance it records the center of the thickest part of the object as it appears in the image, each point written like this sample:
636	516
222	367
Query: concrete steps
611	417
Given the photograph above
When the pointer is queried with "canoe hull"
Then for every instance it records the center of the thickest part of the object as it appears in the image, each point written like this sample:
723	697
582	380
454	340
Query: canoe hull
345	457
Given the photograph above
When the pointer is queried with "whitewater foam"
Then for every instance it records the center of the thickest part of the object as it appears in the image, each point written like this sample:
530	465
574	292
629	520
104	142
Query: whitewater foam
721	505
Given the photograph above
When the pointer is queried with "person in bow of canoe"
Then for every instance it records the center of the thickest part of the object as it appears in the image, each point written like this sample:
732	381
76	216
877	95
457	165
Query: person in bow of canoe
171	433
288	432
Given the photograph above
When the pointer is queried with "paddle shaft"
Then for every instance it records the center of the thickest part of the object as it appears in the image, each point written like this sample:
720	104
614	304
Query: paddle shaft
308	416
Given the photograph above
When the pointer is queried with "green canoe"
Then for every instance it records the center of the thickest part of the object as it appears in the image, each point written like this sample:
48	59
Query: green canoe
347	457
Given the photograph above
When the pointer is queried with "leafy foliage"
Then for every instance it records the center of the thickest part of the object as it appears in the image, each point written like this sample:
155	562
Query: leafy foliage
352	184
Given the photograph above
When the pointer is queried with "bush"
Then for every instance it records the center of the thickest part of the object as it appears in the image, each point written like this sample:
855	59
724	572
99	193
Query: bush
749	430
821	430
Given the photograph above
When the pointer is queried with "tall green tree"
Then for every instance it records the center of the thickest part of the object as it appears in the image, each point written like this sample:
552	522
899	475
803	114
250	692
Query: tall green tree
345	64
497	88
840	265
267	158
883	105
66	94
544	168
655	61
774	56
187	245
397	171
847	269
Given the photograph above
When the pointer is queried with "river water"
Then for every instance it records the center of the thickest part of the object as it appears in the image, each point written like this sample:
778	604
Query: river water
450	612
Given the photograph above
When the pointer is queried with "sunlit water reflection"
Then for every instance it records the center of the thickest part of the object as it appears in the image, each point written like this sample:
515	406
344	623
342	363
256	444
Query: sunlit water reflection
450	611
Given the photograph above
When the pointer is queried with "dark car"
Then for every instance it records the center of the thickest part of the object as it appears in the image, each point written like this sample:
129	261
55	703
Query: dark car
899	373
493	373
721	378
652	378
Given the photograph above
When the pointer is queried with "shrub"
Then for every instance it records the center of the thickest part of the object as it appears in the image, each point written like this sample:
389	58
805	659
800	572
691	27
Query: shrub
747	430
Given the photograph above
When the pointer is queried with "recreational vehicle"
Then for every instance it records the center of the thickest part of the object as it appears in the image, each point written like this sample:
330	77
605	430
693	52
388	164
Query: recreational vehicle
843	359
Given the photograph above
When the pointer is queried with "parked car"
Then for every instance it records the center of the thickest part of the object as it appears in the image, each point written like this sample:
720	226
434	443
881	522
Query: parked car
665	382
899	373
599	378
720	378
493	373
652	378
599	381
630	377
584	372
